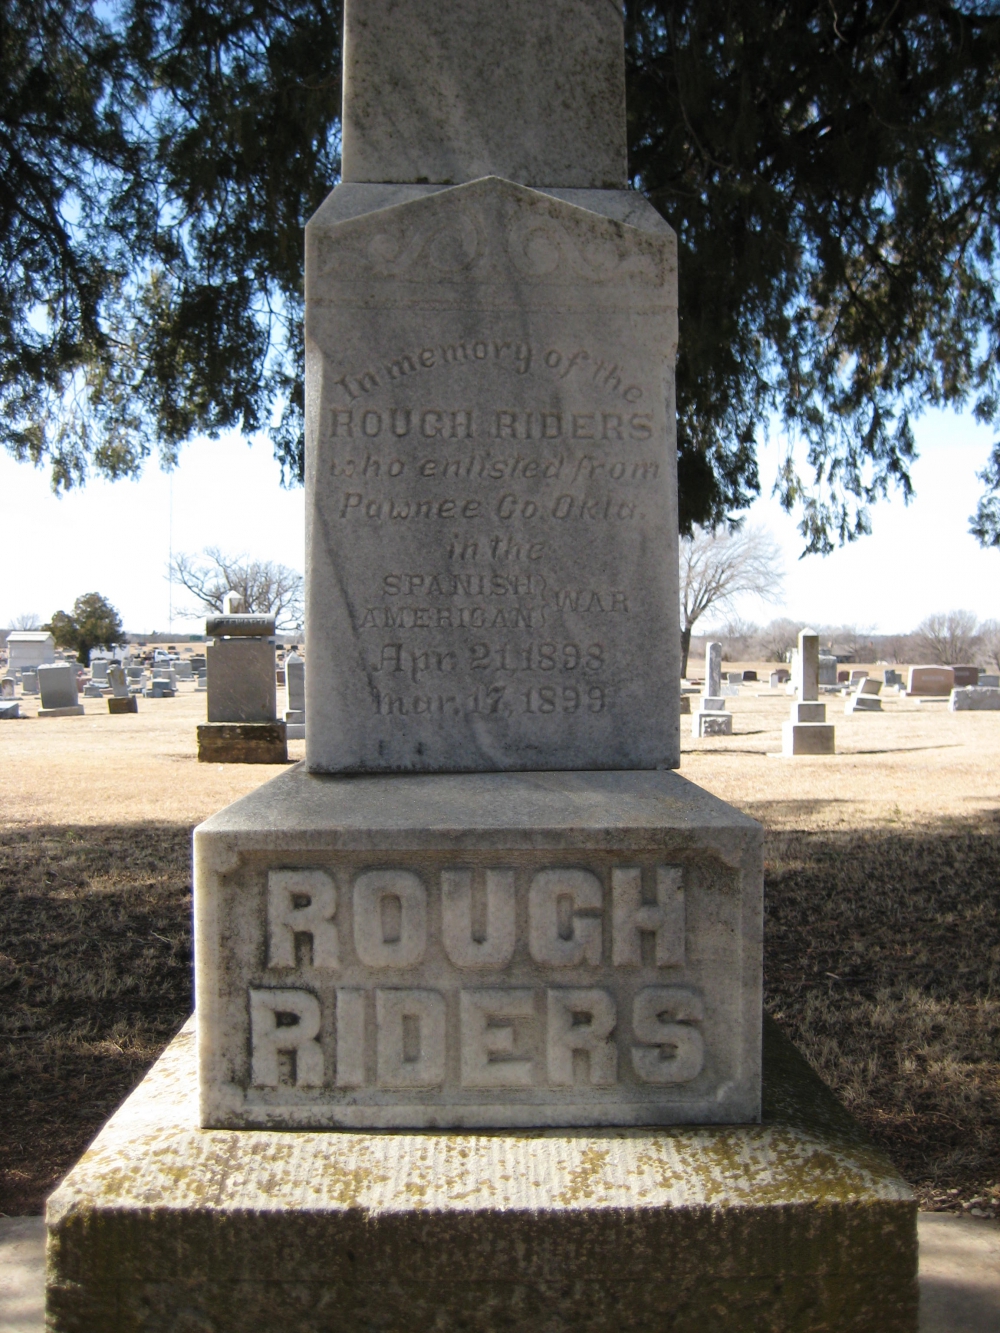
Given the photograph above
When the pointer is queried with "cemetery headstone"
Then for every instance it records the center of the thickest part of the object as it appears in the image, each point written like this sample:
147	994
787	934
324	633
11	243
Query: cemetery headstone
7	688
57	685
295	684
529	943
826	669
989	681
965	676
930	682
29	682
711	718
974	698
9	709
807	732
92	690
892	678
183	669
865	697
242	725
99	669
122	699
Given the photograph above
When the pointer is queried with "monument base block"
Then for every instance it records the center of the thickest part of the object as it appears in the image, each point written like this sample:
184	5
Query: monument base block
796	1223
807	738
242	743
128	705
711	723
73	710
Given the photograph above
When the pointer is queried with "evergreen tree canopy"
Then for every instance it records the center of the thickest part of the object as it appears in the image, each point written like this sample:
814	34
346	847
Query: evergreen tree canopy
93	623
832	172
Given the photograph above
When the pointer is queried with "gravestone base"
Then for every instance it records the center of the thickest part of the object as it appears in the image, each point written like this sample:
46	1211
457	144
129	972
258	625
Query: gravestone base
127	704
863	703
10	708
242	743
807	738
295	731
74	710
796	1223
711	723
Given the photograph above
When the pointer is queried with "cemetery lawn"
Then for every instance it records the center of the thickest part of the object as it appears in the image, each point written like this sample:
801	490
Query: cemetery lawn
882	937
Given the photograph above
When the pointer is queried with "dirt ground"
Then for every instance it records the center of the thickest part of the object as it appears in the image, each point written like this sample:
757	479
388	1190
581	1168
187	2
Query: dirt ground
882	938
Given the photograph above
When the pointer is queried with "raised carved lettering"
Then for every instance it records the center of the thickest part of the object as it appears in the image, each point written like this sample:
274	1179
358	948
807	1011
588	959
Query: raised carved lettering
579	1045
564	923
481	938
672	1050
662	919
301	905
390	918
489	1021
410	1038
284	1025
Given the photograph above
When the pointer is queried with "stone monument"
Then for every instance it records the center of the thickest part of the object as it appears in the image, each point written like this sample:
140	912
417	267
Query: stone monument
295	687
484	902
57	686
122	699
807	730
242	725
711	718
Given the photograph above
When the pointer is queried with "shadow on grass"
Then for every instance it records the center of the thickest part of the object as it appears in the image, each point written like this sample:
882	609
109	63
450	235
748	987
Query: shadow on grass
882	961
95	978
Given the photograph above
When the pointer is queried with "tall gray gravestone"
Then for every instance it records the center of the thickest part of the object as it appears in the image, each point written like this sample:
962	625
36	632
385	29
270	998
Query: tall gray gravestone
484	901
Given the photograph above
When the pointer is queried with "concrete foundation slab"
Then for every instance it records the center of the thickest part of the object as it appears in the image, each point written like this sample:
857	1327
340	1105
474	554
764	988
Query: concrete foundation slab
793	1224
242	743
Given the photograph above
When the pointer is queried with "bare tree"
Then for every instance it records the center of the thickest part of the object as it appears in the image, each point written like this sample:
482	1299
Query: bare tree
989	642
778	639
948	637
266	588
27	621
718	567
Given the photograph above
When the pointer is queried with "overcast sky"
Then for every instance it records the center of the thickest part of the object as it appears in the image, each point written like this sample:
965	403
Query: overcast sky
115	538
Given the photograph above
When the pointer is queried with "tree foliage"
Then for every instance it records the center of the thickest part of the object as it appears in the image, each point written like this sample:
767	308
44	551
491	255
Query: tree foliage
832	171
266	588
93	623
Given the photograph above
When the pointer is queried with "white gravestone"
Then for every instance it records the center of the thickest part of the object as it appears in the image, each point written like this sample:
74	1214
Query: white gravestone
295	687
865	696
57	686
807	731
711	718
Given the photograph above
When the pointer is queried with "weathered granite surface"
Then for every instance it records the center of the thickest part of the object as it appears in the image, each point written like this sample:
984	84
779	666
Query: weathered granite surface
490	479
478	950
241	680
535	93
793	1224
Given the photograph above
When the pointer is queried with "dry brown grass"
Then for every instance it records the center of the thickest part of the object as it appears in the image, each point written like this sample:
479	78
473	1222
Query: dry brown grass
95	978
882	961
